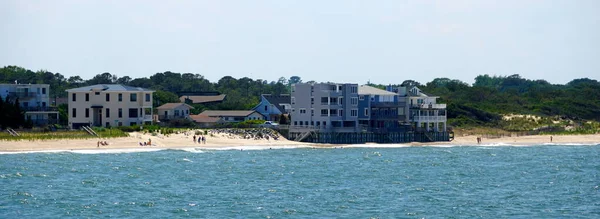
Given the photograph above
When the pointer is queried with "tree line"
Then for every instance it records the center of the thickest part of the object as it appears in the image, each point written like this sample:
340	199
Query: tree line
11	115
481	103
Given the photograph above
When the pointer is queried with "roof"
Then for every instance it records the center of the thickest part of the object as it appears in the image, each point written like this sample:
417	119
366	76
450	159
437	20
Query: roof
168	106
108	87
218	113
204	119
277	100
368	90
203	98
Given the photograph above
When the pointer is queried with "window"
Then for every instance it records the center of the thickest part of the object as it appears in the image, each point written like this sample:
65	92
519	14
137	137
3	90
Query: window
120	113
341	111
44	90
361	97
341	101
147	97
366	112
333	100
324	100
87	97
74	112
148	111
107	124
176	112
302	111
266	108
87	112
43	104
132	97
333	112
133	113
97	93
107	97
354	101
120	97
293	100
295	123
354	112
107	112
74	97
353	90
324	112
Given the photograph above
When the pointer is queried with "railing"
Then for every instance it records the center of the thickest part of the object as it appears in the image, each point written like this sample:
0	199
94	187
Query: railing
429	118
324	128
22	94
387	117
388	104
39	108
429	106
146	117
167	117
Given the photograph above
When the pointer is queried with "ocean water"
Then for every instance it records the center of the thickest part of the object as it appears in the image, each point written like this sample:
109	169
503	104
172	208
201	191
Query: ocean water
546	181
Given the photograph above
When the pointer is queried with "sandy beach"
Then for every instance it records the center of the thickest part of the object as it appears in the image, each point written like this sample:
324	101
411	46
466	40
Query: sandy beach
221	141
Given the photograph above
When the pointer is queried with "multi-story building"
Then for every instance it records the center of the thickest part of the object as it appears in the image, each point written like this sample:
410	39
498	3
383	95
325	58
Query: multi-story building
381	111
34	99
326	107
347	113
109	105
273	106
425	114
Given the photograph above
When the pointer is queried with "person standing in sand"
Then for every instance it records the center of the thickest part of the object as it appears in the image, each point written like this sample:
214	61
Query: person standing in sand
149	142
194	138
550	138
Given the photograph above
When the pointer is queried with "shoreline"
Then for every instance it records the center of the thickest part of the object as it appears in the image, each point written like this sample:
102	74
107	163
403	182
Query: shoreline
224	142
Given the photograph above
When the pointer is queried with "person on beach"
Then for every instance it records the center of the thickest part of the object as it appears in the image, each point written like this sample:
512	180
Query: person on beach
550	138
98	144
149	142
194	138
203	140
200	139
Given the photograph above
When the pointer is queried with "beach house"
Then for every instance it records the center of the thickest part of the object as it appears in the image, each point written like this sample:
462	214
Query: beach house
327	107
233	115
381	110
273	106
203	98
425	113
169	111
34	100
109	105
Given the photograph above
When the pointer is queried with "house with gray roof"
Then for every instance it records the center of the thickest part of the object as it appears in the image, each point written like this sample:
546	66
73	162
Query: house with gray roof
109	105
273	106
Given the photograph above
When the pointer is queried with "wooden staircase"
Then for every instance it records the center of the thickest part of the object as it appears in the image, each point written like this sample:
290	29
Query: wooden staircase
12	132
89	130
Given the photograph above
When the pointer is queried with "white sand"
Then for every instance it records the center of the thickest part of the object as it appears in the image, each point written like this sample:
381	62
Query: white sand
176	141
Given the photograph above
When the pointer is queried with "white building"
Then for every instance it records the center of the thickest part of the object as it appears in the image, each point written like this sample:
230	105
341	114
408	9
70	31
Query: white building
109	105
170	111
425	113
34	99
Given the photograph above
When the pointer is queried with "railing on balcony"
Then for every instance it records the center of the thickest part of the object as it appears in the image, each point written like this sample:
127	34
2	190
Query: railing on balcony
146	117
388	104
321	128
429	106
22	94
429	118
387	117
40	109
169	117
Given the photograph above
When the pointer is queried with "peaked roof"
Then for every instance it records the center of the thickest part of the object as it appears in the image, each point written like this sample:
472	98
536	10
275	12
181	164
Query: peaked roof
203	98
217	113
168	106
108	87
204	119
368	90
277	100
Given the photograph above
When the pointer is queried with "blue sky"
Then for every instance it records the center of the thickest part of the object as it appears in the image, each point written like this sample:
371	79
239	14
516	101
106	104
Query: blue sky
342	41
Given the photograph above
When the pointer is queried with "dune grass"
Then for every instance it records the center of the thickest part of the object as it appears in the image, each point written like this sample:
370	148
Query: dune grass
76	134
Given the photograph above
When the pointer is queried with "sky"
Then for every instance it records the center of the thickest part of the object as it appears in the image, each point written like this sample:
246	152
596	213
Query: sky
384	42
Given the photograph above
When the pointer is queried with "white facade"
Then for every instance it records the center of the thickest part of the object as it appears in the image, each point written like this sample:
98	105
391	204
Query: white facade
425	112
109	105
34	99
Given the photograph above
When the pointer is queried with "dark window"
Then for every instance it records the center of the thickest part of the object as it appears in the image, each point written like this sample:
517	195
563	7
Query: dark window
107	97
120	123
120	113
133	113
133	97
74	112
107	124
97	93
147	97
107	112
266	108
87	112
74	97
87	97
120	97
43	90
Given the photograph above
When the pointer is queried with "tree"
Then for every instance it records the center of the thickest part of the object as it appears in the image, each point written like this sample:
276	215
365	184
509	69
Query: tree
294	80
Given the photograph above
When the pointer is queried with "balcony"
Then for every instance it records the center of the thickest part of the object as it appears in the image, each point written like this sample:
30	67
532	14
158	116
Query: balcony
22	95
388	117
169	117
429	106
429	118
40	109
388	104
